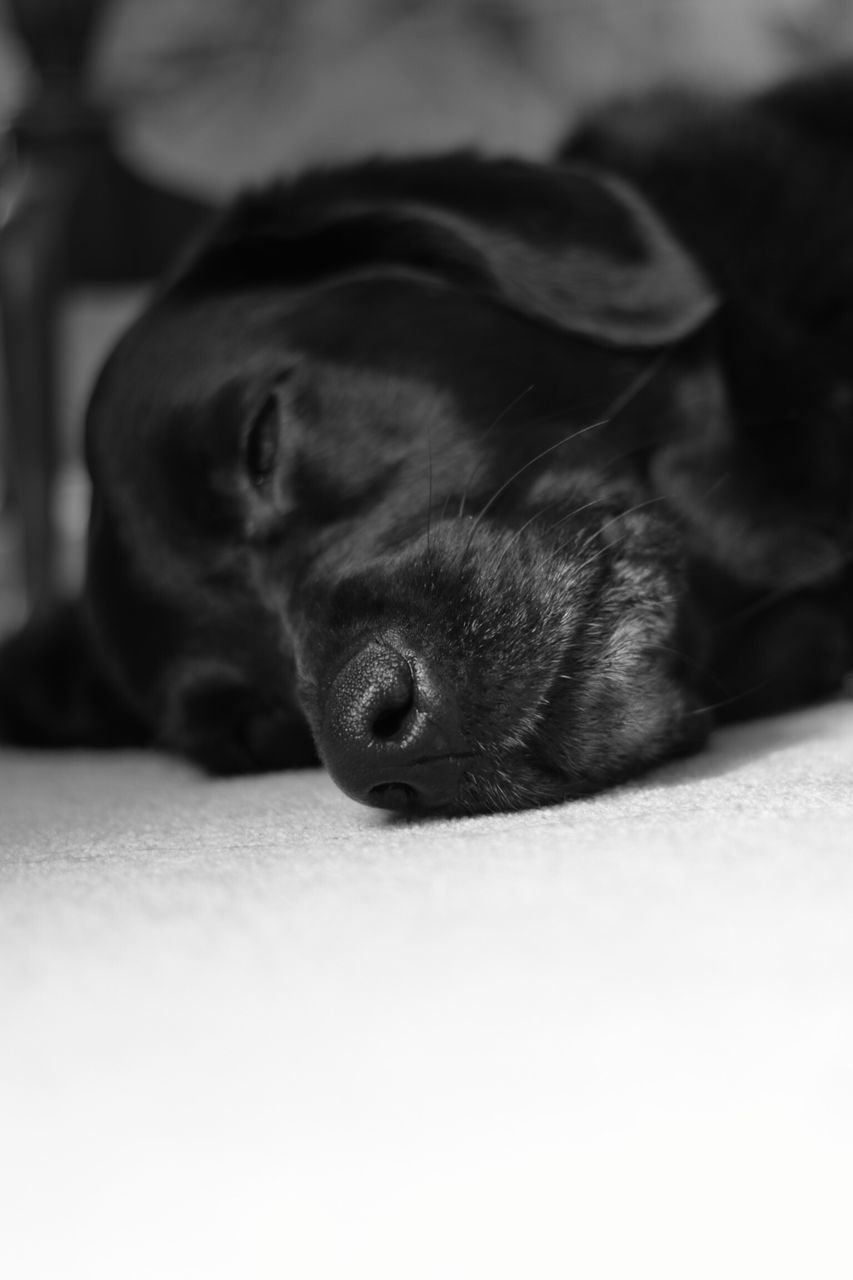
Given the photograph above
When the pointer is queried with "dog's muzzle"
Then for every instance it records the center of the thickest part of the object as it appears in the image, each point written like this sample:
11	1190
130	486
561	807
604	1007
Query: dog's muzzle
390	733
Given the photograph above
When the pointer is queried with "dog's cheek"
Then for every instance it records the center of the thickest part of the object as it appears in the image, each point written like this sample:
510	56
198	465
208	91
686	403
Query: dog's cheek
625	726
627	706
506	644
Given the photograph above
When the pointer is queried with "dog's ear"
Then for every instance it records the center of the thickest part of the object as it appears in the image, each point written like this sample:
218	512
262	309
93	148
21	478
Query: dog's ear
54	691
571	246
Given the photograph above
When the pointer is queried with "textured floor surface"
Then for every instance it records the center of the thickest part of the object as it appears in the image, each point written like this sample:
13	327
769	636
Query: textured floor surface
250	1029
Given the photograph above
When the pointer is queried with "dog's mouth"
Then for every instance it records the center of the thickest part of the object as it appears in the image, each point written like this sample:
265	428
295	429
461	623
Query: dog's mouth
587	731
489	673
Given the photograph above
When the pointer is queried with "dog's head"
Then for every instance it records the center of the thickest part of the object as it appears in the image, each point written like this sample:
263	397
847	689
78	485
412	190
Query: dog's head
377	460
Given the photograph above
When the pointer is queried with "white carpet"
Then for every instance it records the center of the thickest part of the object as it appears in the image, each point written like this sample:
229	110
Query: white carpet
249	1029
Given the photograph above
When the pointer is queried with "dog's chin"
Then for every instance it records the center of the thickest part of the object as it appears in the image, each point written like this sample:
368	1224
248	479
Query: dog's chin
593	736
552	667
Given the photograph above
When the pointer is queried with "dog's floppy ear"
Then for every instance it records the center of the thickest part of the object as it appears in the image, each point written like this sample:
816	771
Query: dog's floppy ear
54	691
571	246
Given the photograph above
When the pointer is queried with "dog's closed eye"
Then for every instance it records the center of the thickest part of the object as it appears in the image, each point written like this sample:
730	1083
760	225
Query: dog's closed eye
262	442
270	444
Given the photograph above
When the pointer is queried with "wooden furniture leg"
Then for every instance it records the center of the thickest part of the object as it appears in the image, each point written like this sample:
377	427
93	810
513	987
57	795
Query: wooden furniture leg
71	213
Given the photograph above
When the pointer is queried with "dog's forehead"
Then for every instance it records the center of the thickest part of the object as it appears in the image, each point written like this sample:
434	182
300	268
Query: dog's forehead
382	353
175	362
173	365
176	352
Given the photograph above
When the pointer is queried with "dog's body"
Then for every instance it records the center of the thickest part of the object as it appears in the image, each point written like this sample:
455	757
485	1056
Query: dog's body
498	482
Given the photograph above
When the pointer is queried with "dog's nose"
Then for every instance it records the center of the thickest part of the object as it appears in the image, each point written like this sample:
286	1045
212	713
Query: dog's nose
390	735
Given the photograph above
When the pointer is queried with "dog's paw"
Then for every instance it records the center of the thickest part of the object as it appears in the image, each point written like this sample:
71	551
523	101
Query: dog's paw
52	692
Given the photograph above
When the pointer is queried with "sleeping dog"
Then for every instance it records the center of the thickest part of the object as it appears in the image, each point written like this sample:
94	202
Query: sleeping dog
493	483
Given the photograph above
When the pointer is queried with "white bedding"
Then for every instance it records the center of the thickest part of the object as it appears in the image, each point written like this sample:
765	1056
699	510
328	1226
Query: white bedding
250	1029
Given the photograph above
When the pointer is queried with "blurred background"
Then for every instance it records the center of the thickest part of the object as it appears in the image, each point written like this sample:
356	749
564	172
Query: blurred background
199	96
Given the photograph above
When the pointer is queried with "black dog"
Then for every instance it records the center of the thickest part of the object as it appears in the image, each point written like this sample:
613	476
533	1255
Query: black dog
499	482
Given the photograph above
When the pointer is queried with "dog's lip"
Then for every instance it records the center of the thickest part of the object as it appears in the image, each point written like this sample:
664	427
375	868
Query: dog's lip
556	704
441	756
406	792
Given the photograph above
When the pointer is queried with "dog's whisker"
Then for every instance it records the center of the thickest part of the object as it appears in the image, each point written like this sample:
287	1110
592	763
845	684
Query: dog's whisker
758	606
592	539
518	532
536	515
525	467
599	554
778	594
613	519
727	702
570	515
701	667
639	383
491	427
429	491
629	511
600	551
562	549
599	500
617	406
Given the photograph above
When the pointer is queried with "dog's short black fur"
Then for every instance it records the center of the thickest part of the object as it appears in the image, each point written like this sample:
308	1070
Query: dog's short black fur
495	482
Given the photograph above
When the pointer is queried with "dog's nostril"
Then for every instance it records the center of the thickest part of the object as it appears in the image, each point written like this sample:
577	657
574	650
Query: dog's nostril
396	700
392	795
